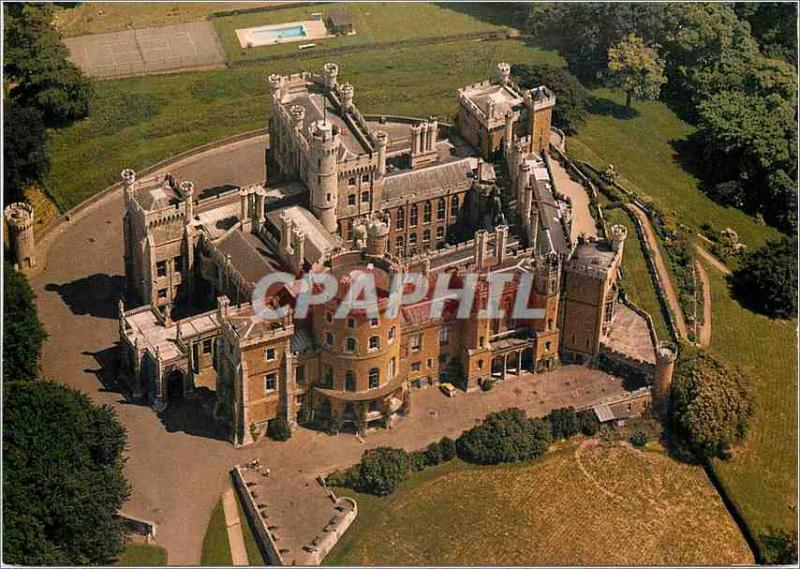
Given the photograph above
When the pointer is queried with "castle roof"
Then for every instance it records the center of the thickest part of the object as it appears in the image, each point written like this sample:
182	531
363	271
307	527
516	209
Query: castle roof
437	180
249	255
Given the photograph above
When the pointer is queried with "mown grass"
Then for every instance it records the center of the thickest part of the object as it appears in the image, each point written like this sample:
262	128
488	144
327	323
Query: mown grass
138	121
643	148
216	549
762	476
637	282
141	555
612	506
374	24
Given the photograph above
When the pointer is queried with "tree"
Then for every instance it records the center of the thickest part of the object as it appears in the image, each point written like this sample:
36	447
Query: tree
23	332
278	429
27	159
766	278
505	436
36	60
63	483
588	422
448	447
774	25
381	470
710	405
572	96
779	547
636	68
563	423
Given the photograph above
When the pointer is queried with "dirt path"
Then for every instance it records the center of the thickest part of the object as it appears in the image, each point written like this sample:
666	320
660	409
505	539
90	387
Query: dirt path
661	268
704	335
717	264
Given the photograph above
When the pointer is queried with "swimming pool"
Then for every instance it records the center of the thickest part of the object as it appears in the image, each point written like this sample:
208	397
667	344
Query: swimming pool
283	33
286	32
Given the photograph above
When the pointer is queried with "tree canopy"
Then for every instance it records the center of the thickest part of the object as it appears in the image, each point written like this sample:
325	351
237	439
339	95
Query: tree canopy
636	68
571	95
766	279
27	159
504	436
63	481
710	405
23	334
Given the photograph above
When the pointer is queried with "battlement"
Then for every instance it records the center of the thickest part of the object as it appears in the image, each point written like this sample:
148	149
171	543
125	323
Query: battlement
19	216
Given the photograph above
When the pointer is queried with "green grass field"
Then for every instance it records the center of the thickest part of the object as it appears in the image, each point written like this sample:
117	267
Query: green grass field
140	554
216	550
637	282
374	24
138	121
586	507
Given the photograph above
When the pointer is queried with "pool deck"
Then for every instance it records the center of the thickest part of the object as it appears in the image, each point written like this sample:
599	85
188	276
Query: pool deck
315	30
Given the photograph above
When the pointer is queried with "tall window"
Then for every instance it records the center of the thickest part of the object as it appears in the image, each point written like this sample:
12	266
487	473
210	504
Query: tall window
161	269
401	218
391	333
439	233
412	217
351	345
374	343
269	382
416	342
390	370
440	209
412	240
350	381
329	338
444	334
454	207
426	212
374	378
426	236
399	245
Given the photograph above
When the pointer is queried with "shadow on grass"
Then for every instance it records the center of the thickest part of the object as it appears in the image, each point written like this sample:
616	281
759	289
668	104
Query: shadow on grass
607	107
498	13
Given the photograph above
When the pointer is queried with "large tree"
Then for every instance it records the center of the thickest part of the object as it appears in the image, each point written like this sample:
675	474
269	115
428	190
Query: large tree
571	108
25	156
504	436
710	405
36	62
62	479
636	68
774	25
23	334
767	278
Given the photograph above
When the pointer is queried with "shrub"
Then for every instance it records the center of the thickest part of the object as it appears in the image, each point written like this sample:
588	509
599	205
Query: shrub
433	454
563	423
505	436
779	547
279	430
23	332
418	460
334	425
588	423
638	439
448	447
487	384
766	279
381	470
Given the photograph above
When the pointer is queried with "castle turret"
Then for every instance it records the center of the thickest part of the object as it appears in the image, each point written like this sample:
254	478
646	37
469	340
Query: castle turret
381	143
298	113
500	242
20	221
618	235
666	352
276	86
324	191
503	72
508	135
346	92
539	102
377	237
128	183
187	193
330	72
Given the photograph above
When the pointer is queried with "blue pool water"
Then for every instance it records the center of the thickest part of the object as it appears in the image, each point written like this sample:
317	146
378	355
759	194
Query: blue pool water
297	31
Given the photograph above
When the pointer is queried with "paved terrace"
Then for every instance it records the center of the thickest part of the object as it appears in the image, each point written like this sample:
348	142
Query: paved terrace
178	462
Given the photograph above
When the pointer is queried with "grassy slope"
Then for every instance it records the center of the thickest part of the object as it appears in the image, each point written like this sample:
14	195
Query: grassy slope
554	511
139	554
216	550
374	23
638	283
136	122
641	149
251	546
762	478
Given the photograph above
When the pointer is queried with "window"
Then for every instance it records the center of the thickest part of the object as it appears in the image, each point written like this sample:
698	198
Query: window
352	181
374	378
444	335
364	197
329	317
480	364
329	338
412	240
162	294
454	207
416	366
349	229
161	269
178	263
390	370
269	382
270	354
351	199
412	217
350	381
374	322
440	233
416	342
327	379
430	363
373	406
426	236
480	341
399	244
441	206
374	343
391	333
426	212
351	345
328	197
351	322
365	178
401	218
300	375
547	346
207	346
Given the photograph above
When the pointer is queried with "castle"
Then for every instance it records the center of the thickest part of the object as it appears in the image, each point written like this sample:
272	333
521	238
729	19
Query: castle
346	195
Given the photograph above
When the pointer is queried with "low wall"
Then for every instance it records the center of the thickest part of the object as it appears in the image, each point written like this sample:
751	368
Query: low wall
137	525
266	544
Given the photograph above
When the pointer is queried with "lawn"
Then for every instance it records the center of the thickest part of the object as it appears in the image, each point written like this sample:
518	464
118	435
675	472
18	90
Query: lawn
762	477
140	554
637	282
642	149
373	23
604	505
216	550
138	121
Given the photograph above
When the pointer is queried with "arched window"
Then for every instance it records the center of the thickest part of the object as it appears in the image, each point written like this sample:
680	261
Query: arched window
440	209
412	217
392	331
426	212
374	378
454	207
350	381
351	345
401	218
374	343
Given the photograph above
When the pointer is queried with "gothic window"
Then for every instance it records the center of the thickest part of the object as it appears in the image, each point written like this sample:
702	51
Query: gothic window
440	209
329	338
350	381
401	218
374	378
412	217
426	213
454	207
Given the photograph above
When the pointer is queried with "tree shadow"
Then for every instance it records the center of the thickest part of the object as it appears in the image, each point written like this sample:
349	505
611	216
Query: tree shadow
108	372
607	107
194	416
96	295
513	15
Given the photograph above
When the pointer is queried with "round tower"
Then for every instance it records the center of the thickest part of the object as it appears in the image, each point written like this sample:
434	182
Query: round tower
20	221
187	193
330	72
377	237
346	92
324	192
381	142
128	183
666	352
504	72
618	235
